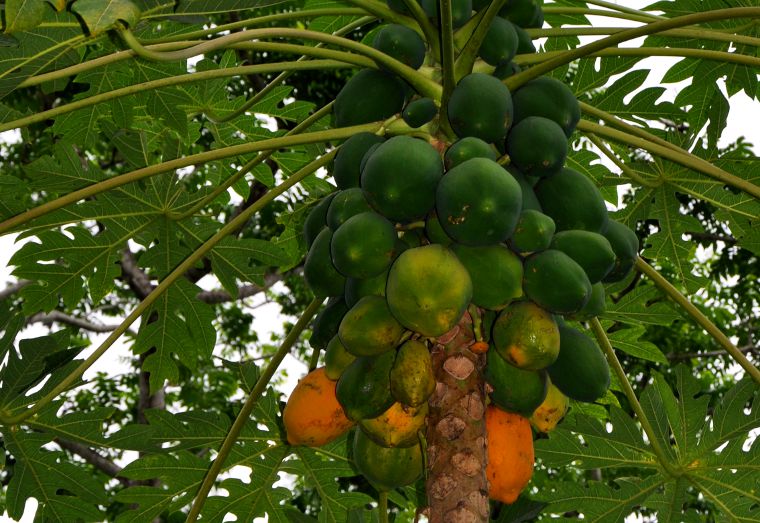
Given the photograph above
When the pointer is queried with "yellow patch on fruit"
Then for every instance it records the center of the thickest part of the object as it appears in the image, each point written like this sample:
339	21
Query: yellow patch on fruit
510	454
312	416
396	427
547	415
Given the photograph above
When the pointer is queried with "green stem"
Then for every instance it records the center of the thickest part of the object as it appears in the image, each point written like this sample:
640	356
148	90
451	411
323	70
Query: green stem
654	441
700	318
597	12
177	273
627	171
446	31
513	82
428	30
244	415
628	128
469	52
700	34
172	165
245	169
382	507
382	11
683	158
171	81
623	9
256	98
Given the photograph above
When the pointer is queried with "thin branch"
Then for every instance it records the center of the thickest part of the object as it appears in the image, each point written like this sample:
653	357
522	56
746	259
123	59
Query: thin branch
61	317
134	276
13	288
246	291
105	465
678	356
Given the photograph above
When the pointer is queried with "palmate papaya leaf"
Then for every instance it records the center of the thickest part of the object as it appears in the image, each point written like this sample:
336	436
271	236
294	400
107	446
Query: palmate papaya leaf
22	15
628	341
207	7
642	305
100	15
709	454
66	492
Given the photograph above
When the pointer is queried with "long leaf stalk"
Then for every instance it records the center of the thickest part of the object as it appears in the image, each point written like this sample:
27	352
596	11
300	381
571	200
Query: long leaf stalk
178	163
469	52
417	80
702	320
617	368
688	160
187	264
694	34
382	11
246	168
446	31
627	171
282	77
428	30
247	408
548	9
623	9
513	82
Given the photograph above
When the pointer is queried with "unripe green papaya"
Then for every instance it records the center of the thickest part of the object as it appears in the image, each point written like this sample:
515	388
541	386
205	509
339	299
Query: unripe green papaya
514	390
346	167
499	45
590	250
358	288
419	112
368	96
363	389
412	379
526	336
434	231
467	148
461	10
529	200
344	205
550	98
625	245
318	270
386	468
581	371
364	245
337	358
496	274
595	306
369	328
316	220
533	233
573	201
546	160
401	43
524	41
480	105
521	12
325	325
555	282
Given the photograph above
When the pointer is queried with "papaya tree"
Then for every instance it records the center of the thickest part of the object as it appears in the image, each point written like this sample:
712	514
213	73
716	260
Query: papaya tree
524	282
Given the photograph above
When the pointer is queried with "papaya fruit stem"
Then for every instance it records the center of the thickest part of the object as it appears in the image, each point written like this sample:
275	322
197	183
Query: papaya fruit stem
382	507
702	320
604	343
477	322
247	408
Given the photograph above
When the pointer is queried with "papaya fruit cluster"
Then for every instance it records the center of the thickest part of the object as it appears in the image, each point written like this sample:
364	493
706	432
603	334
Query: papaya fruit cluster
421	230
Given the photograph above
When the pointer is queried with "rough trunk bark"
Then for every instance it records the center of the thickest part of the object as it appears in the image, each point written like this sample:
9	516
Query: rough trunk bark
457	487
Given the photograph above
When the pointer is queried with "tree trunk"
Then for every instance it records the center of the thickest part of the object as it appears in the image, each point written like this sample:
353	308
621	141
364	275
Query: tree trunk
457	488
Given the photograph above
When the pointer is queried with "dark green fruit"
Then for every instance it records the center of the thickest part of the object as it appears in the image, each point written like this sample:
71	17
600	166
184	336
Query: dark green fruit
337	358
590	250
366	157
428	289
480	106
400	177
368	96
514	390
500	43
401	43
357	289
363	246
524	41
325	325
434	231
531	158
506	70
533	233
595	306
573	201
461	10
548	97
369	328
625	245
419	112
316	220
386	468
478	202
496	274
318	270
537	22
467	148
521	12
555	282
345	204
526	336
412	379
529	200
364	388
580	372
346	168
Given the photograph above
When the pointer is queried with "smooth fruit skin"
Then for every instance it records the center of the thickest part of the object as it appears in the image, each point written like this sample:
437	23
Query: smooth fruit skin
401	43
514	390
363	246
533	233
364	389
345	204
510	454
316	220
357	288
319	271
546	417
548	97
386	468
337	358
326	323
581	371
625	245
526	336
466	148
419	112
529	200
346	167
369	328
555	282
412	379
573	201
481	106
312	415
368	96
590	250
400	177
595	306
500	42
496	274
428	289
478	202
533	159
434	230
396	427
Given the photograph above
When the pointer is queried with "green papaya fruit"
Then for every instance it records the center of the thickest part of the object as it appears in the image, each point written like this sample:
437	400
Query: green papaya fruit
419	112
461	11
555	282
526	336
625	245
466	148
318	270
496	274
337	358
434	230
581	371
499	45
521	12
316	220
595	306
325	325
529	200
368	96
573	201
546	160
533	233
481	106
364	245
514	390
507	69
369	328
401	43
364	389
386	468
412	379
524	41
590	250
346	167
550	98
344	205
358	288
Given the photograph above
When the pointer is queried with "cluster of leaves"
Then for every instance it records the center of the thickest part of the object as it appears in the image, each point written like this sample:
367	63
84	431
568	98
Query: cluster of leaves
151	113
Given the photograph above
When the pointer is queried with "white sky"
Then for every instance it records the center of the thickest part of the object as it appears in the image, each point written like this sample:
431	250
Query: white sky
742	121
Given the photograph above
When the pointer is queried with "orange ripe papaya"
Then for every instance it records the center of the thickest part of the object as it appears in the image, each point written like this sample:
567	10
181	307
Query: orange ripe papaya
312	415
510	454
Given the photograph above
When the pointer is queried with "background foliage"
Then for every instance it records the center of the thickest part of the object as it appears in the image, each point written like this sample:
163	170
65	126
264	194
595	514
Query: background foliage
149	144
